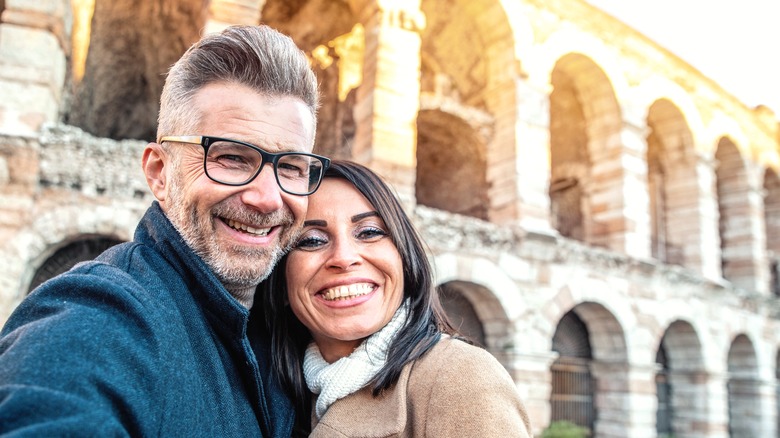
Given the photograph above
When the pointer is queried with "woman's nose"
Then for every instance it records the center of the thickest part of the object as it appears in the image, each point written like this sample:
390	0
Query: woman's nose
345	254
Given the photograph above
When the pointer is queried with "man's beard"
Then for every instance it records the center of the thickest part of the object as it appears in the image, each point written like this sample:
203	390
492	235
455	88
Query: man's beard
236	266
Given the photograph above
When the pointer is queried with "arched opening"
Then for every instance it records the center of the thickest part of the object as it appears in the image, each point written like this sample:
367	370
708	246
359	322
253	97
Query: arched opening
772	224
461	311
584	121
663	391
670	167
470	91
680	382
744	398
573	385
450	165
569	159
131	46
734	223
86	248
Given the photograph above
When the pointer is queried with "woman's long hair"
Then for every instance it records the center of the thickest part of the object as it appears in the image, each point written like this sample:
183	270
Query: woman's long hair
426	319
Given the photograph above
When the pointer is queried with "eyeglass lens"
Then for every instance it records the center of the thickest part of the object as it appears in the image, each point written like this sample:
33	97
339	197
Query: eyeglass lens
234	163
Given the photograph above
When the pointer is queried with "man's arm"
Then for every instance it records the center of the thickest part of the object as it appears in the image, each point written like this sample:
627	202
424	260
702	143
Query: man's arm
75	358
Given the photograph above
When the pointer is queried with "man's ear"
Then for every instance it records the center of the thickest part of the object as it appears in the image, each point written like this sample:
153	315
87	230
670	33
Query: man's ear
154	161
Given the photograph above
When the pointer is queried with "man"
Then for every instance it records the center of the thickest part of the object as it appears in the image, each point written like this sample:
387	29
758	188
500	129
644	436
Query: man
157	337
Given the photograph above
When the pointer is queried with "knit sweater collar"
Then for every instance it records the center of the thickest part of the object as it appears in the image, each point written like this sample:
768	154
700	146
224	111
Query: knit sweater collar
351	373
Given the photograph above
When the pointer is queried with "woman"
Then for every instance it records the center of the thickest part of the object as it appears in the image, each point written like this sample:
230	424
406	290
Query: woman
358	332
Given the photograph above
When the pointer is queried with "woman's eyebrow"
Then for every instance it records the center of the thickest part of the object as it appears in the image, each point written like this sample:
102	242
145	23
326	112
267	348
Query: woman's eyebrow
315	223
361	216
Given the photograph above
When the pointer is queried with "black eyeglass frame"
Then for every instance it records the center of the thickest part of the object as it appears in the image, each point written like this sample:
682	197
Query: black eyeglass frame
268	157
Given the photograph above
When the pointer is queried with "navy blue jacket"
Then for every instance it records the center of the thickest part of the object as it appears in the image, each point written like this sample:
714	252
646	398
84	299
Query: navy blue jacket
143	341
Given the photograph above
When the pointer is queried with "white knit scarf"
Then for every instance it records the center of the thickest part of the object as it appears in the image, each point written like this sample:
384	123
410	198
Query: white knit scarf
351	373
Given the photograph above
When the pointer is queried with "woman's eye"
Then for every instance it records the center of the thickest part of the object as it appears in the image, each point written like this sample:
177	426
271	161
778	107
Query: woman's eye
310	242
371	233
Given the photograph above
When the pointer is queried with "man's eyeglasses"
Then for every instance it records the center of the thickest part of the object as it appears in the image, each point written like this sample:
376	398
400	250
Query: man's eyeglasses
235	163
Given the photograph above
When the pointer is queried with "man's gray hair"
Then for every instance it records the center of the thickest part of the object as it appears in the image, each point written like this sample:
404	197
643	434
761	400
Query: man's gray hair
258	57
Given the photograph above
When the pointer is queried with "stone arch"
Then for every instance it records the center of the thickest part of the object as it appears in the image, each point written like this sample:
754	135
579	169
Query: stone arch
772	227
738	258
744	397
585	121
671	162
451	163
474	311
56	228
124	71
476	80
456	267
681	381
69	253
602	355
494	296
657	88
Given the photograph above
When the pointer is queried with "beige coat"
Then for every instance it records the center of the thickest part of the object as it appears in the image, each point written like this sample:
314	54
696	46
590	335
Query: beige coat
456	390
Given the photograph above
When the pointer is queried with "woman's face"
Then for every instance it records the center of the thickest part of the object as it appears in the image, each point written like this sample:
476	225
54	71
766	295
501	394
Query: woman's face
344	275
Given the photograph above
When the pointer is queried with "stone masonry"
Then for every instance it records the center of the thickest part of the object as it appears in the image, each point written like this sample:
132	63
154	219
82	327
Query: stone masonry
602	218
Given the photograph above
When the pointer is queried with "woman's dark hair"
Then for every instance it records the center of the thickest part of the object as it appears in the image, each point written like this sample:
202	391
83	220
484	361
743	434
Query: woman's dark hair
426	319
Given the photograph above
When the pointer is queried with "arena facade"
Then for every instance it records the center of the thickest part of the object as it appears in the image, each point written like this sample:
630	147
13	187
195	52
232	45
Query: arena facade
602	217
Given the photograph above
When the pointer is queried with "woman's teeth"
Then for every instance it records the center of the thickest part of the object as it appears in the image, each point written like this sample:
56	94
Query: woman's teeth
347	292
247	229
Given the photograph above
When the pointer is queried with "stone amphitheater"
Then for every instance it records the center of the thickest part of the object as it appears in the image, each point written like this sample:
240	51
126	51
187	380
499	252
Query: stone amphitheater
603	218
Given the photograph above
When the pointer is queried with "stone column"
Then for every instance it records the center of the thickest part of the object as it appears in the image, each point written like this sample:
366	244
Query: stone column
619	202
532	375
388	99
223	13
533	155
34	41
625	400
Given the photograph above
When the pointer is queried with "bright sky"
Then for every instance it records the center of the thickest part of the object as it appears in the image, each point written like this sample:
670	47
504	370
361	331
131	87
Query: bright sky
734	42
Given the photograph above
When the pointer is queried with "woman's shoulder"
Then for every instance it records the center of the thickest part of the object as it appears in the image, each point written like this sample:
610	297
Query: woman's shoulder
449	348
460	389
455	358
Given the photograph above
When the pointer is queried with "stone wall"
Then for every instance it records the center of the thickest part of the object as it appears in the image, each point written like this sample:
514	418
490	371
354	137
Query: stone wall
564	171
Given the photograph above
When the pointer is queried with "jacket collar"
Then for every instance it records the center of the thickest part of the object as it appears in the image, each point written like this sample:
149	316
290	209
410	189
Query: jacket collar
224	312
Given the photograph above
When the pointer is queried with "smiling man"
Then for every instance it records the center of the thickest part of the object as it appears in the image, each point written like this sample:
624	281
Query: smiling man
157	337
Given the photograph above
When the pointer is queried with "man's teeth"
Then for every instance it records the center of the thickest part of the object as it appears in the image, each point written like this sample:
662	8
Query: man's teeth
347	292
256	231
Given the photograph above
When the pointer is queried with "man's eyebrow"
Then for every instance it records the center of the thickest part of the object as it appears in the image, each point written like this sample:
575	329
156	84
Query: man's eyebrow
361	216
315	223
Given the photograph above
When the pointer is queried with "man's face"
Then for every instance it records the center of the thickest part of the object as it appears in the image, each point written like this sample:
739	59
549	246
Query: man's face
240	232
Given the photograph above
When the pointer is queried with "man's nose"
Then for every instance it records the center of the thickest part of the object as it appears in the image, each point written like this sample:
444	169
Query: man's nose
263	193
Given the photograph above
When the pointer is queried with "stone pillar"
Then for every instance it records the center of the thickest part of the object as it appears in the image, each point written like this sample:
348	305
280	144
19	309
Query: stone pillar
693	224
533	155
532	375
388	99
692	412
619	202
625	400
34	41
716	405
223	13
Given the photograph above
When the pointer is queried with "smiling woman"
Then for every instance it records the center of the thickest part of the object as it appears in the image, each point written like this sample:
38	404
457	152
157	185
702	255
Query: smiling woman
359	336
